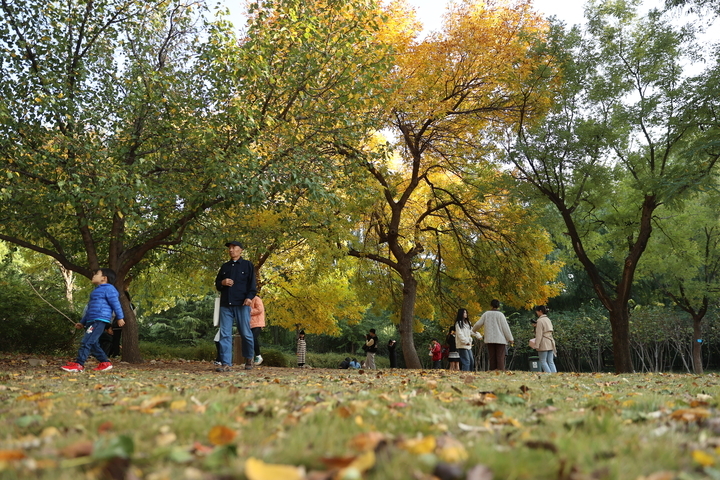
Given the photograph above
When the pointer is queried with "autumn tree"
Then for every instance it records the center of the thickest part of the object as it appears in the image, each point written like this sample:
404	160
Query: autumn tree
122	123
443	216
627	136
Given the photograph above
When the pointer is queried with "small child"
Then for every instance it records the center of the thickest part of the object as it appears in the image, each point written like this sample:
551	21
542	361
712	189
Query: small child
104	301
301	349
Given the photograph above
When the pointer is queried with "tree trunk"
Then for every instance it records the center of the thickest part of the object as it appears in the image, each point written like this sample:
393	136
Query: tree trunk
697	345
130	332
407	319
620	323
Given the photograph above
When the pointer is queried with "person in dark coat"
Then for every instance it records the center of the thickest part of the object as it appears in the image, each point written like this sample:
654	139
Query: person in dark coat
392	344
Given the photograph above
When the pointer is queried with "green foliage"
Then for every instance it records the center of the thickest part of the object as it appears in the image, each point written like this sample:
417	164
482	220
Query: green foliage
160	351
186	322
28	323
276	358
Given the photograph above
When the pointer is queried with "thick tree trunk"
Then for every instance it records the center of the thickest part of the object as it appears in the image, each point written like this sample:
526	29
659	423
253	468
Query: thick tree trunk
407	319
697	345
620	323
130	333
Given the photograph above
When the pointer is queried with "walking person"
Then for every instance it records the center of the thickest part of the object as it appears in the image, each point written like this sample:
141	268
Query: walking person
544	342
370	347
463	340
257	323
236	283
497	335
104	303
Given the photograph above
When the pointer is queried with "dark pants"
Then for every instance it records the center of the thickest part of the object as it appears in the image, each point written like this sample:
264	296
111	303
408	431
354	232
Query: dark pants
256	339
496	356
437	364
115	347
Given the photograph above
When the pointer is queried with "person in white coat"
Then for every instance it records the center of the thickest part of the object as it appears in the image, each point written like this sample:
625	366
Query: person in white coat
497	335
463	340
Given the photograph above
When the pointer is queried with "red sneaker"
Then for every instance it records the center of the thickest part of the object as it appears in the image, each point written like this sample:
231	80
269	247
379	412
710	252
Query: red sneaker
103	366
73	367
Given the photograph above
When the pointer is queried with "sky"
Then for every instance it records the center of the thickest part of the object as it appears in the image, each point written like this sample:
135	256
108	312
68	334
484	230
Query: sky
430	11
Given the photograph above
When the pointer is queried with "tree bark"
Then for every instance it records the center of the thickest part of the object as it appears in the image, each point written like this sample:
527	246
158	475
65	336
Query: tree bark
407	319
620	325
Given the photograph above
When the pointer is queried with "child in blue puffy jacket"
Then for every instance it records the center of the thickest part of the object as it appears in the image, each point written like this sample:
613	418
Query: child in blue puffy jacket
104	301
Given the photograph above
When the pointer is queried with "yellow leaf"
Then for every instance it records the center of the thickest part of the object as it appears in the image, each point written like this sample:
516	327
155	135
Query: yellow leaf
703	458
178	405
419	446
258	470
221	435
451	450
155	401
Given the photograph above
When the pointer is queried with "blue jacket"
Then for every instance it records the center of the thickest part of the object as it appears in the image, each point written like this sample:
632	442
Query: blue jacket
104	300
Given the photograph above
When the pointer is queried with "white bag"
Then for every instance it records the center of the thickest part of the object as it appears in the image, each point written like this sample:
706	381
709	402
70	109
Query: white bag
216	313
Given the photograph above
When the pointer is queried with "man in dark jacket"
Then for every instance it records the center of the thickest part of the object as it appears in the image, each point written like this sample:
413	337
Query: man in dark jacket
236	283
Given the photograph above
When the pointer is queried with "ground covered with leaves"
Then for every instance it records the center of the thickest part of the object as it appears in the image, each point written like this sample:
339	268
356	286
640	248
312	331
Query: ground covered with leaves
183	420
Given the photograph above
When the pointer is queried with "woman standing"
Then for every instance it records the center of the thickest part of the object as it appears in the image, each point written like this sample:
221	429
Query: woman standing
453	355
463	340
544	342
497	335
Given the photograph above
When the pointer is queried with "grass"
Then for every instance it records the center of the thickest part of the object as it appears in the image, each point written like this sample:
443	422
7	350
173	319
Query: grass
185	421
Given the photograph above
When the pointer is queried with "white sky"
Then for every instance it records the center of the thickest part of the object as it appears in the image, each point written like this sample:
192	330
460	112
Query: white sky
430	12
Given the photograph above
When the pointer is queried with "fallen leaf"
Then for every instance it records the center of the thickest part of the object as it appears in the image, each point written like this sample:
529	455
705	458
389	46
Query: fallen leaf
221	435
258	470
366	441
690	414
703	458
10	455
82	448
451	450
418	446
155	401
541	445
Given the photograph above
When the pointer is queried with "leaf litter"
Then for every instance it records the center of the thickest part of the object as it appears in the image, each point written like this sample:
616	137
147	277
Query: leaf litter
184	420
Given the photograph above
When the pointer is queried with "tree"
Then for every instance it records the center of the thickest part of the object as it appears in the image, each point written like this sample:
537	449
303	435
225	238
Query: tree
684	261
626	136
443	215
122	123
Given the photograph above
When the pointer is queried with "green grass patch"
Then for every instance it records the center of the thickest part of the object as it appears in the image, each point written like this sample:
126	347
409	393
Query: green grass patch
186	421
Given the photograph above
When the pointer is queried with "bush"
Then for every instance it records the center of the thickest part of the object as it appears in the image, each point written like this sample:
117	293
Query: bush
202	351
274	358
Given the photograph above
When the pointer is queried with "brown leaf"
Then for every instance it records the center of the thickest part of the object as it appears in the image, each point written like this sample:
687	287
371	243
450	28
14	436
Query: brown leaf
82	448
690	414
115	469
9	455
221	435
366	441
337	462
541	445
105	427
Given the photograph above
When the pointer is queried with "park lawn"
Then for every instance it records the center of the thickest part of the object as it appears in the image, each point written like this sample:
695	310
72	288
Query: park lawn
183	420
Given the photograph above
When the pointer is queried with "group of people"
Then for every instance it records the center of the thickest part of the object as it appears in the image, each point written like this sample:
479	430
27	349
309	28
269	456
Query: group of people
498	337
240	306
